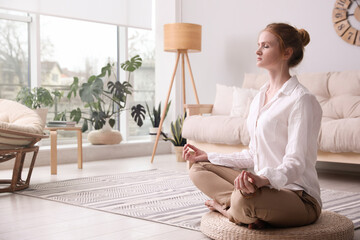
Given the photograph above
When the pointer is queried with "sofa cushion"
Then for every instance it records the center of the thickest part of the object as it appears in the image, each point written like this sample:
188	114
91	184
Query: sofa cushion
254	81
339	96
216	129
337	92
223	100
242	98
340	135
232	100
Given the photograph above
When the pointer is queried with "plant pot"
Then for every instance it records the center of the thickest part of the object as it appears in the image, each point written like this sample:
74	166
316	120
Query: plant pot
104	136
42	112
153	132
178	152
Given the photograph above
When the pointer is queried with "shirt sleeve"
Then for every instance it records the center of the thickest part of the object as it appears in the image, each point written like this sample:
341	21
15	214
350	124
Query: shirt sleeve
300	133
243	159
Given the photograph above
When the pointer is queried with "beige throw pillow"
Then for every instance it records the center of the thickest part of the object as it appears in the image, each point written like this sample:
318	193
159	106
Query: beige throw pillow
223	100
242	98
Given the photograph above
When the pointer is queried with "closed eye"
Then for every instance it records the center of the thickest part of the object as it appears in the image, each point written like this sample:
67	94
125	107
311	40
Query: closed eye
263	45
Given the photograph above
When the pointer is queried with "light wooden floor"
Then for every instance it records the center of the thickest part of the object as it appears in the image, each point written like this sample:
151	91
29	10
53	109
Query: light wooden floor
31	218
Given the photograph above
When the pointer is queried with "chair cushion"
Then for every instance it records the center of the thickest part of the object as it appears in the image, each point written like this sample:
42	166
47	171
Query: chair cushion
330	225
216	129
4	117
17	117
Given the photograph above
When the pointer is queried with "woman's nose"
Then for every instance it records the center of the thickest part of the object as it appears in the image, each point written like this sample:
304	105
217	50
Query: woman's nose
258	52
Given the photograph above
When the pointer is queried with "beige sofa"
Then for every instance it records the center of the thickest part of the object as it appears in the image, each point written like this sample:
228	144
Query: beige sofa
221	127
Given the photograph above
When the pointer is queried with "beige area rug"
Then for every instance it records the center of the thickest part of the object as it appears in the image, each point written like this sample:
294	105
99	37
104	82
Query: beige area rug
163	196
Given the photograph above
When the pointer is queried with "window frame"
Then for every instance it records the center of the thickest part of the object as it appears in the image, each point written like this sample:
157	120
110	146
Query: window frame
28	20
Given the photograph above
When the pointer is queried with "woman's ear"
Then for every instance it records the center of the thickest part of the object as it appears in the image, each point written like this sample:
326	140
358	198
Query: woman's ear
288	53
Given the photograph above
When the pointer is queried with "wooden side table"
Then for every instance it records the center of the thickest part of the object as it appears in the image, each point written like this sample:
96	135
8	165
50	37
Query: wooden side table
53	146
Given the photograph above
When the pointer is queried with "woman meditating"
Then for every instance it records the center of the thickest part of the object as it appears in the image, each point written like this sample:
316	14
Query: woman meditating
283	123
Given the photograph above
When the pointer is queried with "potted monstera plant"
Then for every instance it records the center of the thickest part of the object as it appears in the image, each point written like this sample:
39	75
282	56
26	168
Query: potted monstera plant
104	101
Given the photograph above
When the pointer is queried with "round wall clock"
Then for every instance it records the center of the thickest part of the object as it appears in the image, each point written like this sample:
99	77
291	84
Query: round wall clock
346	19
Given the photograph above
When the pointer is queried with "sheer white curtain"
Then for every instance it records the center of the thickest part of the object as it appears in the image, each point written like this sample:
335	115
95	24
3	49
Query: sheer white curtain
131	13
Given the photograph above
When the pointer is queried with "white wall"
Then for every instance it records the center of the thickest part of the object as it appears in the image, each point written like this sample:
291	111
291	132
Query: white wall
166	11
229	39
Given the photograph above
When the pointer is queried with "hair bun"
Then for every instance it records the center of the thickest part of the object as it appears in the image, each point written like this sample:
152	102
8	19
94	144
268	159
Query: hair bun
304	36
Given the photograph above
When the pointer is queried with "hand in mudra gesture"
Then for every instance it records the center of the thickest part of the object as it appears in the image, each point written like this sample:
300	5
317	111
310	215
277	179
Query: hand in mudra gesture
196	155
248	182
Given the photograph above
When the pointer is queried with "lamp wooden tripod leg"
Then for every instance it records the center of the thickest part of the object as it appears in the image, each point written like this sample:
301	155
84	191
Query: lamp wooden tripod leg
192	79
182	53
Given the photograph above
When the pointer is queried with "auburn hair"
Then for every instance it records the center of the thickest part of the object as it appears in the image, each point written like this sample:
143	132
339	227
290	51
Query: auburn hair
290	37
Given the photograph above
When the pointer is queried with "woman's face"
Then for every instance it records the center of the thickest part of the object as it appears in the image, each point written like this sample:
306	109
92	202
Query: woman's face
269	55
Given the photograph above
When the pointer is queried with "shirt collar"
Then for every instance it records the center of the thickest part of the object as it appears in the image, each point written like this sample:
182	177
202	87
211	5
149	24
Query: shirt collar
286	88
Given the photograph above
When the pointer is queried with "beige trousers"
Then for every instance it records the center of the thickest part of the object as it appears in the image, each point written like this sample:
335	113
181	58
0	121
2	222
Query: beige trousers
284	208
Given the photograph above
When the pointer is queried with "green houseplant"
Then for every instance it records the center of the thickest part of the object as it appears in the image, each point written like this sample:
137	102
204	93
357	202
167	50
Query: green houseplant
37	98
104	104
177	139
155	117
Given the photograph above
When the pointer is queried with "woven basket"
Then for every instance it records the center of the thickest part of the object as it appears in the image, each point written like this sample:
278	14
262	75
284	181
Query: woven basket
330	226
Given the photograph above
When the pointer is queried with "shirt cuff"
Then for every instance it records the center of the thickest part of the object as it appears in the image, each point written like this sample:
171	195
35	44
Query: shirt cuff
213	158
277	179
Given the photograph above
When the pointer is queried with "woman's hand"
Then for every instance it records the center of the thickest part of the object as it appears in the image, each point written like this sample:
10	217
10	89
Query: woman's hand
196	156
248	182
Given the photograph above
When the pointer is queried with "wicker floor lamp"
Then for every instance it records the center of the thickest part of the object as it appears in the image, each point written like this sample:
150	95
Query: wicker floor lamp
180	38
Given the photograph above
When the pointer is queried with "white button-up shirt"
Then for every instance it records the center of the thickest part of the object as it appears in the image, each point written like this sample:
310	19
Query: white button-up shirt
283	139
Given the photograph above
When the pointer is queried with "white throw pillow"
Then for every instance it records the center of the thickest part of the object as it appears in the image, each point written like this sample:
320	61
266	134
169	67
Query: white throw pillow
242	98
223	100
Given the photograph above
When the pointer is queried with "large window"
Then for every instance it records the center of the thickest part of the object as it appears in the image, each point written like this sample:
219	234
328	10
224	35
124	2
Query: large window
70	48
14	54
142	42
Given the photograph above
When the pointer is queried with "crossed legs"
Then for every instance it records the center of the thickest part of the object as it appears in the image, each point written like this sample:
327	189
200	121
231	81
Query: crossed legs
284	208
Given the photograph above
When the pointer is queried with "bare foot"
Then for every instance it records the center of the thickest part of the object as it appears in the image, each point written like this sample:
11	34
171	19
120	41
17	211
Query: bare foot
215	206
210	204
258	224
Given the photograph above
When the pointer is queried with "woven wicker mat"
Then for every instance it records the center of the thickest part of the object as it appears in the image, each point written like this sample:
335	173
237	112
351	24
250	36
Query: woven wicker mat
158	195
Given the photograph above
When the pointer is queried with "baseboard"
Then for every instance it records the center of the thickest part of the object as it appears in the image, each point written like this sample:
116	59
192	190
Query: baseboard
346	168
68	153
